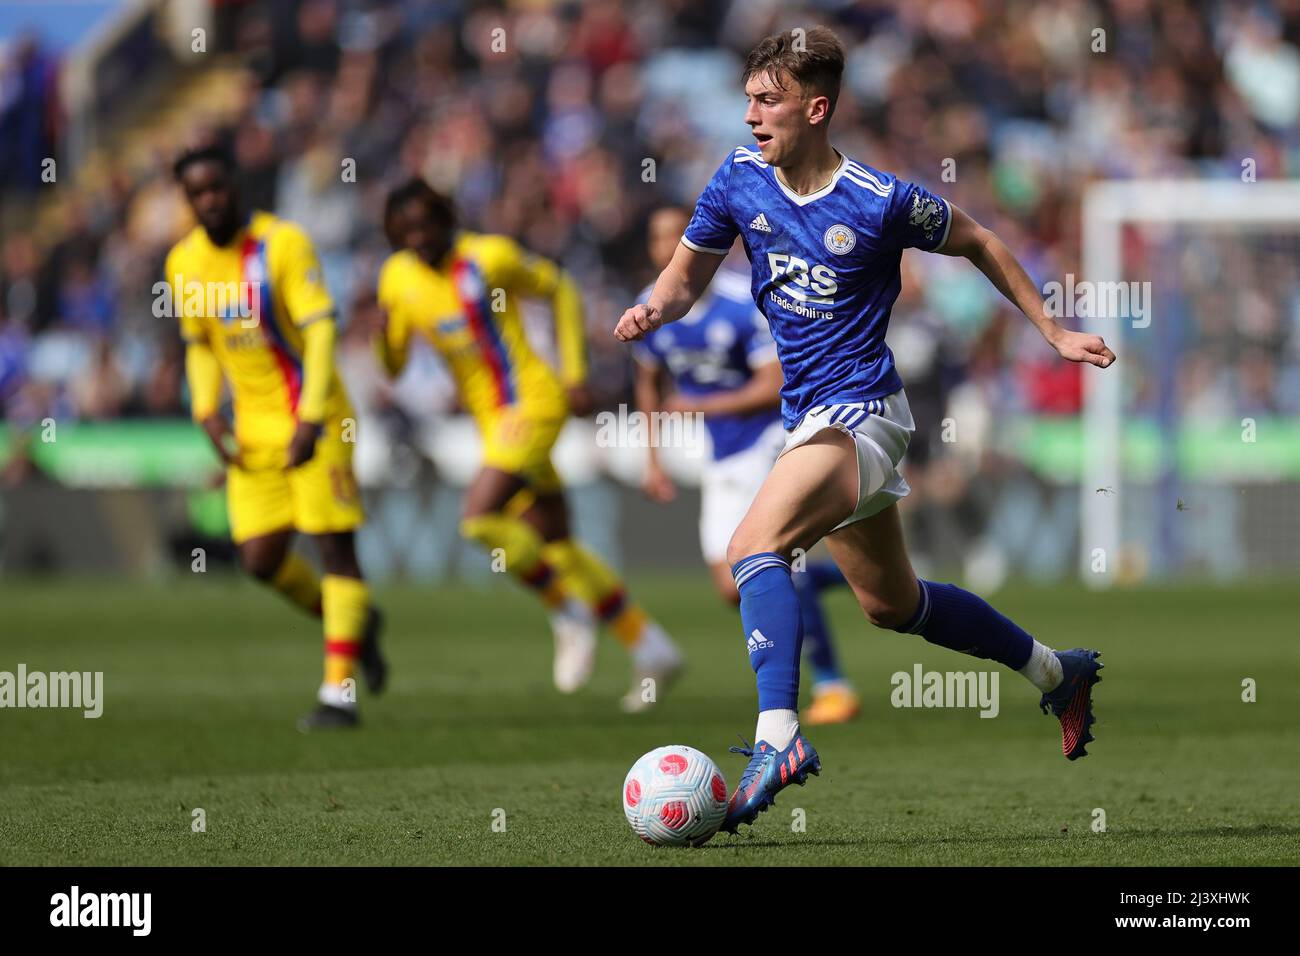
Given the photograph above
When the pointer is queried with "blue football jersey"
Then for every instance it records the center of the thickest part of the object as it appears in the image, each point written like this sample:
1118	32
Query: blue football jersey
715	348
825	268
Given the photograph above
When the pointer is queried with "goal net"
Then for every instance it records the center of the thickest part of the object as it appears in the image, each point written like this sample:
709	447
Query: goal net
1191	442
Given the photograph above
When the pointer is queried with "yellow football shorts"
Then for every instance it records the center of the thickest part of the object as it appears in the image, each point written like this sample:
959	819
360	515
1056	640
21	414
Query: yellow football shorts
518	440
320	497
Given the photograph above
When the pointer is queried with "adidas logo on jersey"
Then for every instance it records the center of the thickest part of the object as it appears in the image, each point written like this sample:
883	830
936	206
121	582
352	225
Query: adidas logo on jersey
759	222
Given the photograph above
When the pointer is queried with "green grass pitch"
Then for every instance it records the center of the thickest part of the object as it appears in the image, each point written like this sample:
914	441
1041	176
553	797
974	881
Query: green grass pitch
204	680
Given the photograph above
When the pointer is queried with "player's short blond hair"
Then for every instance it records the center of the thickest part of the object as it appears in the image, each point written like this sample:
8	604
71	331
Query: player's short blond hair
814	59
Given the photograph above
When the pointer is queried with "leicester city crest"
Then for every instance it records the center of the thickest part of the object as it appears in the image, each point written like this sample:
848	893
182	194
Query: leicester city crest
839	239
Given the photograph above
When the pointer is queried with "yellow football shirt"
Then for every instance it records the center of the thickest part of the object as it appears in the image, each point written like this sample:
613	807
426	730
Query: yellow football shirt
468	309
249	301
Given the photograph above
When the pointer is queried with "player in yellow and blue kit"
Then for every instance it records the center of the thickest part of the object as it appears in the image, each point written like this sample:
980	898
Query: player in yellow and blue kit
247	290
460	291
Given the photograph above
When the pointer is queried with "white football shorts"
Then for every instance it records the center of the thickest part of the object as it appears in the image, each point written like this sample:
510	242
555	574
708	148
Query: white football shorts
881	429
728	487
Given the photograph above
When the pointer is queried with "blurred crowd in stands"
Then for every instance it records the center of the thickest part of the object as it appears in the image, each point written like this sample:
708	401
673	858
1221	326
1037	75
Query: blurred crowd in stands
563	124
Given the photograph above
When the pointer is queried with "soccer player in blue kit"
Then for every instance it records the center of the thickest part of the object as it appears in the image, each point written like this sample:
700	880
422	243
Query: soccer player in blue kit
825	236
721	361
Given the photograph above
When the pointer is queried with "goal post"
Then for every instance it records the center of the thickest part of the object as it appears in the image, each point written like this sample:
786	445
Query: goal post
1170	234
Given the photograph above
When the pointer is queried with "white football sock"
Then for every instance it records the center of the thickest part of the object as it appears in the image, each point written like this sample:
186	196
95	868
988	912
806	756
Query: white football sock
574	611
1044	668
777	727
654	648
335	696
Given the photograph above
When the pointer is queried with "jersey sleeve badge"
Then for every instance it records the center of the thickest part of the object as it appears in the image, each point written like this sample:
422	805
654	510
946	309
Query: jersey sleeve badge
927	215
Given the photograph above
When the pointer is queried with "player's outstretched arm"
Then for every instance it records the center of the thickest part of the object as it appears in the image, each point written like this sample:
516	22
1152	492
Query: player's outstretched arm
318	337
203	375
390	332
571	341
656	484
536	277
390	343
202	370
294	266
761	392
683	281
967	238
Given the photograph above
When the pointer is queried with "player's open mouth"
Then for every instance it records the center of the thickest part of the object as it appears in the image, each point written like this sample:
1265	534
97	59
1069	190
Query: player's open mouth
762	138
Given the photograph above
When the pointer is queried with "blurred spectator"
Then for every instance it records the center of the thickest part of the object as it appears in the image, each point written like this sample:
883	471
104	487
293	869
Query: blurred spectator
563	124
28	113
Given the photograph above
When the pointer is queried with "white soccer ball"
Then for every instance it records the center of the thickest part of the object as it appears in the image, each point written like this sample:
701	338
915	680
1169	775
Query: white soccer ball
675	796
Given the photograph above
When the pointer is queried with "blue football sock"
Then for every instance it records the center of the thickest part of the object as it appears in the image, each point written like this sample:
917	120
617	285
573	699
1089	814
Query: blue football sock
824	574
769	611
816	632
957	619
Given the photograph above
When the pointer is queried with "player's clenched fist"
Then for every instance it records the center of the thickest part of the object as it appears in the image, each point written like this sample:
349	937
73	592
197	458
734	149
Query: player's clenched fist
1082	347
636	322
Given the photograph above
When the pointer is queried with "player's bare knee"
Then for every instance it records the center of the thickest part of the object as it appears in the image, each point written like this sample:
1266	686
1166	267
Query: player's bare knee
338	554
736	550
728	592
745	542
262	557
549	517
890	615
261	563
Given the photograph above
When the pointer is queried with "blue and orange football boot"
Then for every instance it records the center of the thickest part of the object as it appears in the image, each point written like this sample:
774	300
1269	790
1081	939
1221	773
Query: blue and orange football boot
769	772
1071	702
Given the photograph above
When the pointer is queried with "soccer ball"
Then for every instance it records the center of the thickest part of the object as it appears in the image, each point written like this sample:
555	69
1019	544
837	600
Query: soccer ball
675	796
